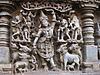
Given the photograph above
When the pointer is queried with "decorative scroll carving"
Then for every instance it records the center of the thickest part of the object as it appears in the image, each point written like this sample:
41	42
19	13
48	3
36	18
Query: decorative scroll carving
63	7
38	30
97	1
86	3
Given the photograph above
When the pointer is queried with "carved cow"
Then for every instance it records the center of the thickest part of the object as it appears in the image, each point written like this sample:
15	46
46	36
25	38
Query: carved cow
72	58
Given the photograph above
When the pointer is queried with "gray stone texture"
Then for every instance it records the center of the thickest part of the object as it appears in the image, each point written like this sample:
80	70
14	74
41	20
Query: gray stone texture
4	55
90	53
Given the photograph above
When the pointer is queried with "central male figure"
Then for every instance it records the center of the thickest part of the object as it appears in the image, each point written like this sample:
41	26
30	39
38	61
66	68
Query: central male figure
44	40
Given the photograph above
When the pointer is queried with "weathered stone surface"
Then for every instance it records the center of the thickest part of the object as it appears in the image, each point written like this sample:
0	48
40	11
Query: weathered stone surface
6	8
60	73
4	55
6	68
90	53
40	28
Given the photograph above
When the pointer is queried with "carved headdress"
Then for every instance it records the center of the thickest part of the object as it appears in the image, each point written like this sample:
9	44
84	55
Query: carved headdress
43	16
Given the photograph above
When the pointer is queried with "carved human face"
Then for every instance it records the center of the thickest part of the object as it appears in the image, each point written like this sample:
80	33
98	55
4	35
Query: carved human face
45	22
63	22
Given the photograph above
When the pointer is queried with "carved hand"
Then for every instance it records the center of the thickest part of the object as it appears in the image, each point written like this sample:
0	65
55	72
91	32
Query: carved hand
34	46
52	12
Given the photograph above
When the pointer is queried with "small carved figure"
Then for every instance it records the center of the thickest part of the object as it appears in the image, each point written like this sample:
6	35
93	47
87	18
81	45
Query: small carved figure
75	27
45	41
17	32
16	35
28	17
26	34
17	20
63	30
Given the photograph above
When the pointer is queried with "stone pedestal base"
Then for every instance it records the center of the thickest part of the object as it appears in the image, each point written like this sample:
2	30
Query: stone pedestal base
92	66
91	58
60	73
4	55
90	53
6	68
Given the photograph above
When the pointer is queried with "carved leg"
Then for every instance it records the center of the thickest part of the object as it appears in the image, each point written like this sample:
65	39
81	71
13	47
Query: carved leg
68	68
52	62
62	36
67	33
80	33
44	64
78	64
58	35
72	34
75	36
54	68
65	64
61	60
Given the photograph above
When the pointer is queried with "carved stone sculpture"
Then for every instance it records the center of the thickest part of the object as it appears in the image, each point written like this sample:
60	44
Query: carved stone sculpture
26	34
24	61
76	49
34	37
23	24
63	30
21	67
45	41
69	59
75	27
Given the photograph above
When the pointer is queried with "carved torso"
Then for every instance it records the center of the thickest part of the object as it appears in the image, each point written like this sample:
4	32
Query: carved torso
45	44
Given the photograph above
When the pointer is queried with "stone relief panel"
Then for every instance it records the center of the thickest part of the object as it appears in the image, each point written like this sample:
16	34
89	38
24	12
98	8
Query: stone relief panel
46	36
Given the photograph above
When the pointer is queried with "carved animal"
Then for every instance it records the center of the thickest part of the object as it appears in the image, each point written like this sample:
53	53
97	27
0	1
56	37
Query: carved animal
21	66
71	58
68	57
76	50
70	67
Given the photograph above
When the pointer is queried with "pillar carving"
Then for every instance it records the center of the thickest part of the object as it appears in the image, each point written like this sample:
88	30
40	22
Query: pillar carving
90	50
5	16
87	25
